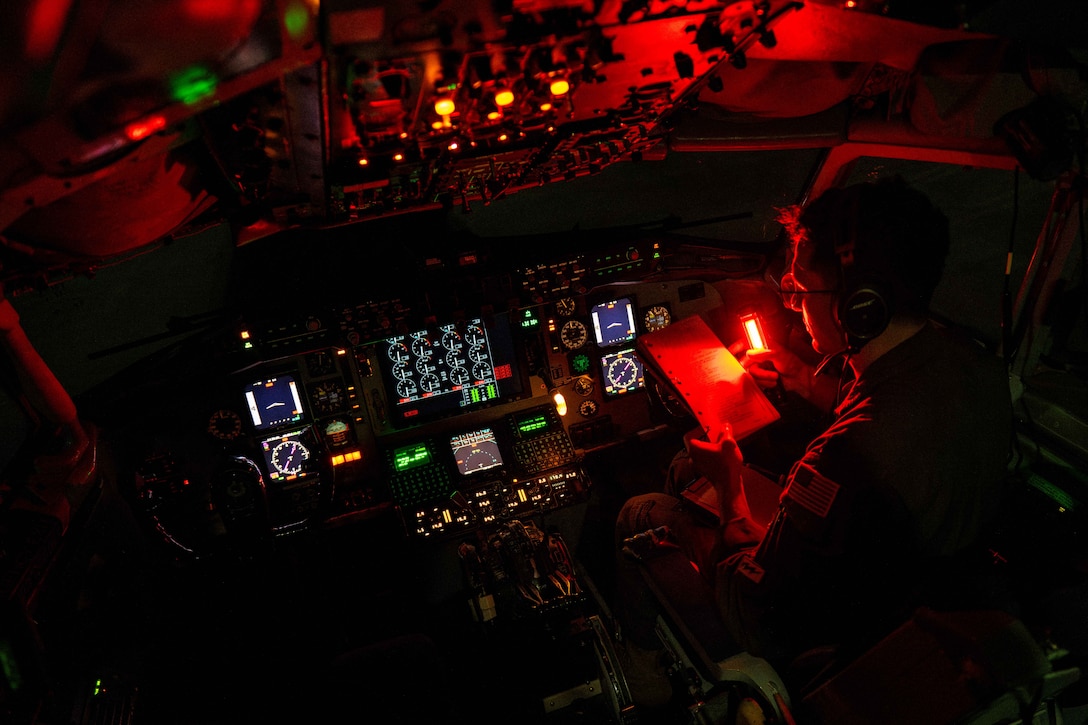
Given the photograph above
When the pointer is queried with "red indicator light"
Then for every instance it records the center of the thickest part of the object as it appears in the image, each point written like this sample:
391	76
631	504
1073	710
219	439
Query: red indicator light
144	127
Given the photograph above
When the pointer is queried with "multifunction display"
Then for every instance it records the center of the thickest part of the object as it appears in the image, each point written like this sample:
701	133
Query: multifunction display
434	372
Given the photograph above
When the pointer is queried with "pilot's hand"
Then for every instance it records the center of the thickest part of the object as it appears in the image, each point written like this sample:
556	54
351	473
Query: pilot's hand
719	459
769	366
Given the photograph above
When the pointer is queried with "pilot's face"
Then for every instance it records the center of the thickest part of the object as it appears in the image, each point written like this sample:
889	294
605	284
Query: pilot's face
813	291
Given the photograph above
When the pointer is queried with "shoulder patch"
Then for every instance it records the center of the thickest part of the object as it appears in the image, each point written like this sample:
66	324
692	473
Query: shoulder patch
811	490
750	569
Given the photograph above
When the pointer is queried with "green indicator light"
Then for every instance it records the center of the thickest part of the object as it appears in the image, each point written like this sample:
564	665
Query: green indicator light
193	84
580	363
10	667
296	19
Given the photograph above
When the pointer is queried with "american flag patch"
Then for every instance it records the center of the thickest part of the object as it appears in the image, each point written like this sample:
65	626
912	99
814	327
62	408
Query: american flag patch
811	490
750	569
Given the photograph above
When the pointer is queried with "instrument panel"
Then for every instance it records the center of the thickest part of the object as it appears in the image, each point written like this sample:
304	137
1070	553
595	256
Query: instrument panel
450	424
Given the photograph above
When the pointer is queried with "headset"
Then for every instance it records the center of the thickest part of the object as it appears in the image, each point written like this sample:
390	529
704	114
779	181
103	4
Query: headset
865	303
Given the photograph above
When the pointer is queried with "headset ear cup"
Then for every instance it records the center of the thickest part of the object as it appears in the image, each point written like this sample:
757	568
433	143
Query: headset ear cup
864	312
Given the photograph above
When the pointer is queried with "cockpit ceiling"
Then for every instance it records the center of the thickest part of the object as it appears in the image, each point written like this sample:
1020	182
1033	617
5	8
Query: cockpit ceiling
147	118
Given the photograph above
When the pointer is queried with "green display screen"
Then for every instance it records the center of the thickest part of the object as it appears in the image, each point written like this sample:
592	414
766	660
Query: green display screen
410	457
533	424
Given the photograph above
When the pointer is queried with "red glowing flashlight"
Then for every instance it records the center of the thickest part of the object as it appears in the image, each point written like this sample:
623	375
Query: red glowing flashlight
753	330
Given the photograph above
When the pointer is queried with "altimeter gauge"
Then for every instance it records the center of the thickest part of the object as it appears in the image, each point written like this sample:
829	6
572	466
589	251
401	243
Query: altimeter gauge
573	334
226	425
656	317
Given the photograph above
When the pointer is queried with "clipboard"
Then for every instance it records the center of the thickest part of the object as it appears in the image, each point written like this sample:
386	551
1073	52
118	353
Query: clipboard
697	367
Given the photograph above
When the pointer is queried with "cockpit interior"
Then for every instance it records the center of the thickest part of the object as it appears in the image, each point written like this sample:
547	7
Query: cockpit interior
323	325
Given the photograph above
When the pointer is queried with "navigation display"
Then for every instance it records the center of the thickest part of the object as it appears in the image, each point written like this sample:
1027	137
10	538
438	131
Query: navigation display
476	451
288	455
443	370
622	372
274	402
613	322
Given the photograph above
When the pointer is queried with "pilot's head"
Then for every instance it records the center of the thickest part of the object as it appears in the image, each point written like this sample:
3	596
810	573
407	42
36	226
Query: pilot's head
860	257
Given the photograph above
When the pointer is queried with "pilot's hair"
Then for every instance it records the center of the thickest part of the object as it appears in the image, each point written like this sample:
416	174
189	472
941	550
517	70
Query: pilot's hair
899	236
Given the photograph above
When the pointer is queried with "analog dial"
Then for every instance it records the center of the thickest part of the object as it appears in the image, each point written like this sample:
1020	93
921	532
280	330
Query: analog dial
583	385
289	457
622	373
656	317
226	425
328	397
565	307
588	408
573	334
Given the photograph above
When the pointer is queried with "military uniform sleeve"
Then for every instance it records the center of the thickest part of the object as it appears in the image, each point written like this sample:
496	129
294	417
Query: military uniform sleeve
818	563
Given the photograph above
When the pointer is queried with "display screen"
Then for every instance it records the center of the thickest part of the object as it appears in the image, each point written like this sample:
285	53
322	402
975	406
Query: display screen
273	402
436	372
476	451
409	457
288	455
614	322
622	372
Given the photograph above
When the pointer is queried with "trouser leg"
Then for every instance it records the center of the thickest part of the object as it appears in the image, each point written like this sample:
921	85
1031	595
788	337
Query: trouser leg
636	606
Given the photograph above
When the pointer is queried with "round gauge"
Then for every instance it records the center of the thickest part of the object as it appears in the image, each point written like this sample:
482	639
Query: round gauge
289	456
573	334
477	354
656	317
451	340
423	365
588	408
320	363
475	335
406	388
583	386
430	383
327	397
225	425
482	371
336	433
398	352
565	306
622	372
454	359
459	375
421	346
400	371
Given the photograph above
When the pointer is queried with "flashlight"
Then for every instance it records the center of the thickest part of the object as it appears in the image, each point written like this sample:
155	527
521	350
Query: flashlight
753	330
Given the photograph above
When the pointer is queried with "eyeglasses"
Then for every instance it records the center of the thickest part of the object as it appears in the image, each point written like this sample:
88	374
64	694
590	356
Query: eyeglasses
791	291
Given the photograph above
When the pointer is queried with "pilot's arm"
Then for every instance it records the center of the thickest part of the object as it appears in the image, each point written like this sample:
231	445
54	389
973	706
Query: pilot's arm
828	563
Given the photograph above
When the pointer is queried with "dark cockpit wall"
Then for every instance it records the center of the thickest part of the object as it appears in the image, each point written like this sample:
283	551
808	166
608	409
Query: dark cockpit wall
271	238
